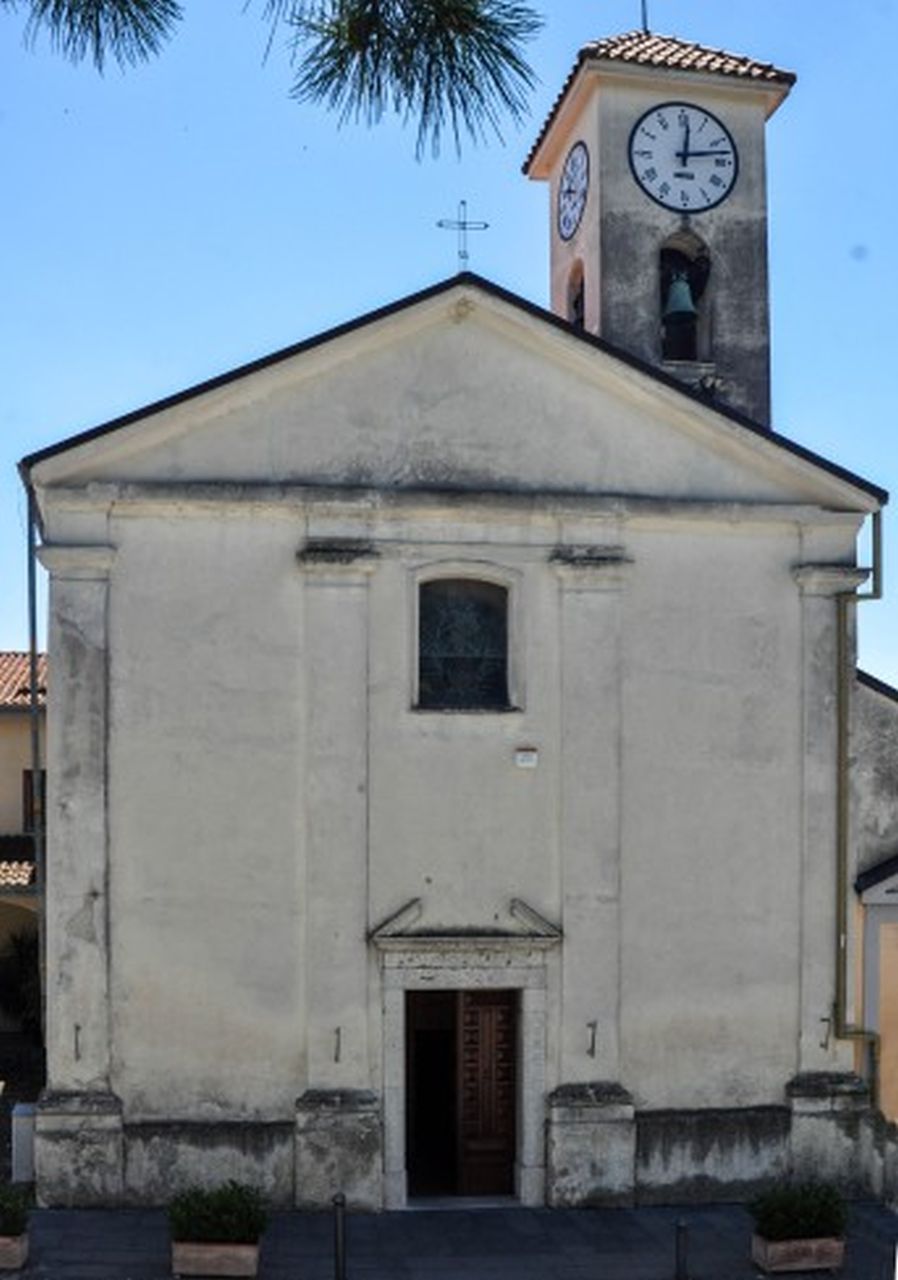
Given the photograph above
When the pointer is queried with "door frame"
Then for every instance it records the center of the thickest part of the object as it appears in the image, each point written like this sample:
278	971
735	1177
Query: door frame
513	964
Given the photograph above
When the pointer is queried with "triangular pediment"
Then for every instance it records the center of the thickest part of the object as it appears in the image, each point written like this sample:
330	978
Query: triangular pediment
463	387
414	923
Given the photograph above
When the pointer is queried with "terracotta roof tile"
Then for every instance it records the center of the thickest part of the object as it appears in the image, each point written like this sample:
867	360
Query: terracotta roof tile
650	50
16	875
14	677
645	49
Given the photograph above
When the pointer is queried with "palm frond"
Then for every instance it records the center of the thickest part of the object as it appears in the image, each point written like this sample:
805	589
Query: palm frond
450	64
128	30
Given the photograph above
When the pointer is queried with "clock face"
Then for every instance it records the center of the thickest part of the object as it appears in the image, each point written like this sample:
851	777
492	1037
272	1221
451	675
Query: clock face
572	190
683	157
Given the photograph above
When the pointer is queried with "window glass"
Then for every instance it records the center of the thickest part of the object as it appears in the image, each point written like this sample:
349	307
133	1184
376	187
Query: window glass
462	644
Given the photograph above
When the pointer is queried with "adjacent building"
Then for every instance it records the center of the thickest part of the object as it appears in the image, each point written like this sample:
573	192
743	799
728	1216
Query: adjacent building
20	799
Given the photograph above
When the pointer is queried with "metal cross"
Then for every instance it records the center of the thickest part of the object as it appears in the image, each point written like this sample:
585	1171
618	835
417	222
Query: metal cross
462	224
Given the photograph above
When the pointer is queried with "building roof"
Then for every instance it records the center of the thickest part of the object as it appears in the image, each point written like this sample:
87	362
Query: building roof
17	868
15	675
465	279
669	53
877	685
873	876
16	875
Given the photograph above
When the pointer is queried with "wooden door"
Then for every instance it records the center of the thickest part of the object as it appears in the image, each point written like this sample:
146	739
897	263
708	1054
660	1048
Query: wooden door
486	1092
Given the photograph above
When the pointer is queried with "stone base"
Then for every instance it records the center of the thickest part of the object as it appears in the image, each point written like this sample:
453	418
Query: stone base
598	1150
830	1111
590	1146
339	1148
530	1185
395	1186
78	1150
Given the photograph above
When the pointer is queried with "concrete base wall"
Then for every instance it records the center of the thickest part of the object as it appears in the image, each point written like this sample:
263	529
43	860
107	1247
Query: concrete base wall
599	1149
162	1159
695	1157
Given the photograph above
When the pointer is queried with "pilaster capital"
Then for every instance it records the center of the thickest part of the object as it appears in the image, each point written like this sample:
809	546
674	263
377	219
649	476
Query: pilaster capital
582	568
338	561
90	563
828	579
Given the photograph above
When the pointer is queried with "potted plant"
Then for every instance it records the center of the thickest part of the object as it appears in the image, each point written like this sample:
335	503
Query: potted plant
216	1232
15	1205
799	1227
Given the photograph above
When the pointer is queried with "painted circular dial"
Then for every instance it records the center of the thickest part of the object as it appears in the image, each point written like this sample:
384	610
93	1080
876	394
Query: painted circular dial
572	190
683	157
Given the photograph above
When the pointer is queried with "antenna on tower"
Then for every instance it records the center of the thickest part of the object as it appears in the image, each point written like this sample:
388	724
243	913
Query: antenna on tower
462	224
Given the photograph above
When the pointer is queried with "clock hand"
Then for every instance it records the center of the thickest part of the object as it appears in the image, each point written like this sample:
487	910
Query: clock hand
716	152
684	154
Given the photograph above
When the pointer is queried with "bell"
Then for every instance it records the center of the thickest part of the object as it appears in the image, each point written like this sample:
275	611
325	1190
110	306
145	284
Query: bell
679	307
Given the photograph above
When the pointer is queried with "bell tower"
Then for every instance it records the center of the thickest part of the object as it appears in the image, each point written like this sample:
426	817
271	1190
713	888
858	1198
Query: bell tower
655	157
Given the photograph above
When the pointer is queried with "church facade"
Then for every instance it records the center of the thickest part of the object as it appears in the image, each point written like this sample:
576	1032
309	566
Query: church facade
450	725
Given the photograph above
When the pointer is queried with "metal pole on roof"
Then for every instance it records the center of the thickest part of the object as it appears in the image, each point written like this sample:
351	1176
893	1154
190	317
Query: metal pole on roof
645	16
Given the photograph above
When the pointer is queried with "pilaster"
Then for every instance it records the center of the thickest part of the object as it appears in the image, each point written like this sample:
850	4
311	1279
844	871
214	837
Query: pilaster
819	584
335	651
77	881
591	581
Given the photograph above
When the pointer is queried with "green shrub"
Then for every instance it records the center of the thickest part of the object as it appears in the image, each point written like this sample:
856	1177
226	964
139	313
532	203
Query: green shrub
230	1214
15	1205
799	1211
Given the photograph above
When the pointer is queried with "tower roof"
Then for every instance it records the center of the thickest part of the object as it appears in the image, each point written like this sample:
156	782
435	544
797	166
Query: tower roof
668	53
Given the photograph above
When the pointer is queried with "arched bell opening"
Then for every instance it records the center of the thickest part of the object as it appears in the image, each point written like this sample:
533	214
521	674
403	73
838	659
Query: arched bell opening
576	296
685	268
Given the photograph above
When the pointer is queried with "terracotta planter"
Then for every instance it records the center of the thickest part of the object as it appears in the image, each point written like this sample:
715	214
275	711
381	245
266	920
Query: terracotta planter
189	1258
13	1252
825	1254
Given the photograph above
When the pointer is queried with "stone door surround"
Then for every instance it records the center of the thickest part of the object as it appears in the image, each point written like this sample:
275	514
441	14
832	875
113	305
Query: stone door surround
508	962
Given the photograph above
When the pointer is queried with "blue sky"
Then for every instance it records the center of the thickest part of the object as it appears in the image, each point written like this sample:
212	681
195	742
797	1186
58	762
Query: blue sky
168	223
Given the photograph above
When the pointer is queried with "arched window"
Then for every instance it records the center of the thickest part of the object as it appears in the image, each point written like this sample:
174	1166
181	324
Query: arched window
685	266
576	296
462	645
